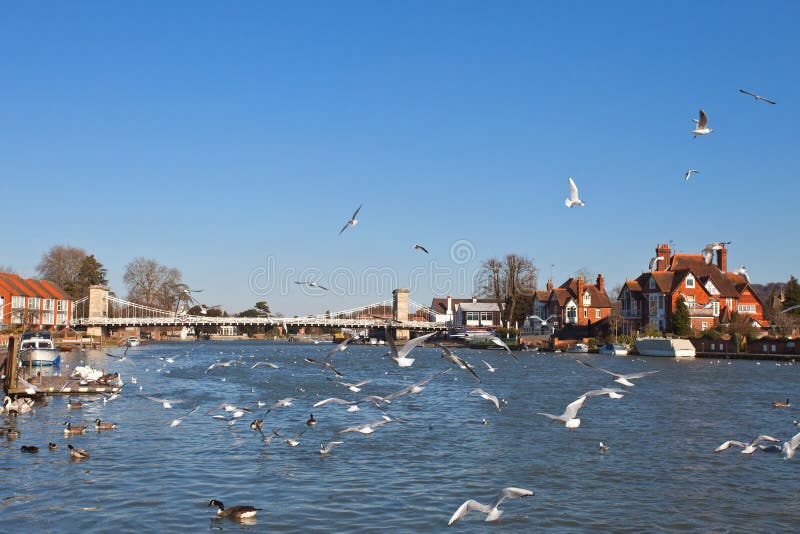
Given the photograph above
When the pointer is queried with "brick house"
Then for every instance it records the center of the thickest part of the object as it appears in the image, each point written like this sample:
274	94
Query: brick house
573	303
712	294
34	303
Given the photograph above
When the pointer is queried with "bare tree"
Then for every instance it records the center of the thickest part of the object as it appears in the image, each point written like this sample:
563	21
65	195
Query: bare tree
586	273
511	282
7	269
62	265
152	284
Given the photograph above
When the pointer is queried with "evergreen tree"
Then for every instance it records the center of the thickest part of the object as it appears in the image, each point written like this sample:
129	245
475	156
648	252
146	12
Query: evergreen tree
681	323
91	273
262	307
791	295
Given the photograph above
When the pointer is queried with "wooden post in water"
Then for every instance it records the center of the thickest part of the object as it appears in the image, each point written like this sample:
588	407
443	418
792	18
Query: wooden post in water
11	364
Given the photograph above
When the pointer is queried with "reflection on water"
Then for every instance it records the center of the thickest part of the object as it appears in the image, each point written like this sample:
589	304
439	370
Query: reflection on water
442	447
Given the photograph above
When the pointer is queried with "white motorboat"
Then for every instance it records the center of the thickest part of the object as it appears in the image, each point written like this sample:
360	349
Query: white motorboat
37	348
579	348
662	346
614	349
133	341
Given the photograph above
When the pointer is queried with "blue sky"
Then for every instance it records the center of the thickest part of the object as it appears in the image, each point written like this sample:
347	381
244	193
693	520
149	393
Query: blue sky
232	140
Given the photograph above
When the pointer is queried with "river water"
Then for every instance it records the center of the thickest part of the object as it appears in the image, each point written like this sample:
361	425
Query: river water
659	474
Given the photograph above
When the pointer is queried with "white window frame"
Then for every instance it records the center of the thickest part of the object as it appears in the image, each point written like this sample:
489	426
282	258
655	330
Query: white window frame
690	281
586	313
34	303
587	299
711	288
61	306
716	308
704	326
597	313
17	302
746	308
48	304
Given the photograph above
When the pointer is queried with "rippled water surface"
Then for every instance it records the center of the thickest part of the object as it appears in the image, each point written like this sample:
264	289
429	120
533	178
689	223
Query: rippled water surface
660	473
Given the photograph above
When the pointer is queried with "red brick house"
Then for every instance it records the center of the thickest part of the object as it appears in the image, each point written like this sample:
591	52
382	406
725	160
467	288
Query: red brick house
574	302
34	303
712	294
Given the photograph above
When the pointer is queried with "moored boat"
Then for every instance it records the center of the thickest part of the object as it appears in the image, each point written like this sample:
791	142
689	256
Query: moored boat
578	348
614	349
37	348
133	341
662	346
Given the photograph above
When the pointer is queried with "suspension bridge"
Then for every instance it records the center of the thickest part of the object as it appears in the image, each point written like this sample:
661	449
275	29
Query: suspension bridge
101	310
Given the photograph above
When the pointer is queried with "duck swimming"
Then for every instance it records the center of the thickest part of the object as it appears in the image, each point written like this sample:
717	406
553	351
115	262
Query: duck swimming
234	512
78	454
29	448
779	404
311	421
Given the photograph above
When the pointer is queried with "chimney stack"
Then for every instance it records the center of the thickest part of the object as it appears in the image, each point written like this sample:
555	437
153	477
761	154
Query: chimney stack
549	285
600	283
449	305
664	252
474	299
722	259
580	288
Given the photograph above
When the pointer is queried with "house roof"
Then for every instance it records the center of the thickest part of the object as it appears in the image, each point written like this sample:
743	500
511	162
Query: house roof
439	305
543	295
478	306
562	295
31	287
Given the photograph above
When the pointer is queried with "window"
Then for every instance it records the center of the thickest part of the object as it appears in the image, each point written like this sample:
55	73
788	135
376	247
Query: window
17	302
585	313
773	348
572	313
33	303
48	304
587	299
746	308
62	305
597	313
704	326
486	317
652	283
690	281
660	302
712	346
729	303
47	317
716	308
473	316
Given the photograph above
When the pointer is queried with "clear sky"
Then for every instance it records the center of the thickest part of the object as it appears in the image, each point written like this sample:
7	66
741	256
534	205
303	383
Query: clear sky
233	140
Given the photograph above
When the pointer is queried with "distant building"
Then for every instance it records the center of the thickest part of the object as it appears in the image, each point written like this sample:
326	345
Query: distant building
573	303
466	312
33	303
712	294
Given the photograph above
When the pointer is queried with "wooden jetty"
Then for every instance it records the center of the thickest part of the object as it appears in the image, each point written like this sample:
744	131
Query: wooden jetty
46	385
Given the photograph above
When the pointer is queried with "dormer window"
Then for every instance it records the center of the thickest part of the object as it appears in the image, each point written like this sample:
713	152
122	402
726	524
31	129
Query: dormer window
587	298
690	281
652	283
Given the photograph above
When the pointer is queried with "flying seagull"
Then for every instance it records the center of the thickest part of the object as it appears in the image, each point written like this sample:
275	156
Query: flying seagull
487	396
757	97
420	247
324	364
573	199
654	261
625	380
415	388
701	125
743	271
708	250
341	347
568	417
399	355
452	358
353	220
312	284
491	510
790	446
166	403
747	448
325	449
499	342
367	428
689	173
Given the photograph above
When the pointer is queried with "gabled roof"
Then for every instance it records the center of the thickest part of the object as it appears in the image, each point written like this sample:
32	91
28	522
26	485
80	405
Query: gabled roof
478	306
31	287
542	296
561	295
599	298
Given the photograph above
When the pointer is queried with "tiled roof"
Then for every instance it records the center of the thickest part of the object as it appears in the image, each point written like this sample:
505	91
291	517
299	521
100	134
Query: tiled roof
439	305
599	298
31	287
